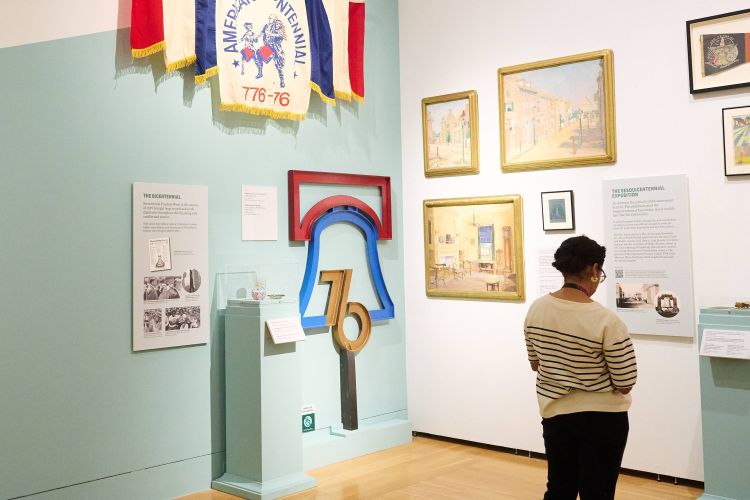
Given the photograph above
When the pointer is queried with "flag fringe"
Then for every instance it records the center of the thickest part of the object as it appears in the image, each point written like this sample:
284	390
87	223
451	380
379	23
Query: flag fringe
344	96
201	79
147	51
358	98
181	63
324	97
277	115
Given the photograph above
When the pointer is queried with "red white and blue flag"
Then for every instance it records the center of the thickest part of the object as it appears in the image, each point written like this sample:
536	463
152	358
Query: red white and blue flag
205	40
179	33
268	53
146	28
357	48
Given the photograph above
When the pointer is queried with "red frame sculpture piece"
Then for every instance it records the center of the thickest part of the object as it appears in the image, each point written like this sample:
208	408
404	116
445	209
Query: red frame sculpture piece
300	230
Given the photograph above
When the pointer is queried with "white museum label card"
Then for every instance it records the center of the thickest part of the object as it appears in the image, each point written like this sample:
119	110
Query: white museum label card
285	330
726	344
550	279
170	265
259	213
649	261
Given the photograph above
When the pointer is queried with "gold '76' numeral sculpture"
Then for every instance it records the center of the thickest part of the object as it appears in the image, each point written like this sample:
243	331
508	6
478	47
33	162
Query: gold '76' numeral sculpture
337	310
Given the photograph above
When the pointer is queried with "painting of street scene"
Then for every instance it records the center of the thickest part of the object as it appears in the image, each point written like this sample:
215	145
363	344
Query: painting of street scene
450	145
556	113
473	249
636	295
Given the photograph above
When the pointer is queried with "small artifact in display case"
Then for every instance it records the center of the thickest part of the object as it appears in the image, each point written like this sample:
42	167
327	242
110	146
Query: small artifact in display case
742	305
259	292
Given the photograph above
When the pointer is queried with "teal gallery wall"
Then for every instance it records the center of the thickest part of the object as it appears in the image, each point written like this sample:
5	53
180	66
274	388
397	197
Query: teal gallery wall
81	416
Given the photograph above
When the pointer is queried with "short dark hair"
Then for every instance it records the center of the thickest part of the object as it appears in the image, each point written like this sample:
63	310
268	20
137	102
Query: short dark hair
577	253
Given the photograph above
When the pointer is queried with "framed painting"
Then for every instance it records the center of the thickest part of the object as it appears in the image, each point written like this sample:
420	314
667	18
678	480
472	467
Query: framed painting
483	258
449	134
719	51
736	124
558	211
557	113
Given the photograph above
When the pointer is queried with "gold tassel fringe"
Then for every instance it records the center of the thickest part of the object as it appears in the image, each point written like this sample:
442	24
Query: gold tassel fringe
344	96
182	63
201	79
358	98
324	97
277	115
153	49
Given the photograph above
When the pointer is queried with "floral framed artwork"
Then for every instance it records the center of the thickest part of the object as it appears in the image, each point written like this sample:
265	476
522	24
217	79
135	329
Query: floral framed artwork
736	124
557	113
719	51
483	258
558	212
449	134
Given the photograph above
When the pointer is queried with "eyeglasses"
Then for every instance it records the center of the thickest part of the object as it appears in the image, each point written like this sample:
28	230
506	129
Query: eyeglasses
602	276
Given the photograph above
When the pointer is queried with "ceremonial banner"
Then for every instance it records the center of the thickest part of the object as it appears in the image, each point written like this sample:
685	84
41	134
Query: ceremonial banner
179	33
205	40
357	48
724	51
321	51
263	52
146	28
338	18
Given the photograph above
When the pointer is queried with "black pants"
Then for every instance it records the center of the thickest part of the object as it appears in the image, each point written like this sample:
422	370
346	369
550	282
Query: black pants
584	453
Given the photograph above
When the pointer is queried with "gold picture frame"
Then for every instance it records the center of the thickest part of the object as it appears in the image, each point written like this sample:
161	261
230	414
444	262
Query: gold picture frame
558	113
473	248
447	120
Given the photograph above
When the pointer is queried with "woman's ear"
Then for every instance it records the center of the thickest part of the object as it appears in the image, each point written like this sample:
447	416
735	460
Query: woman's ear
593	272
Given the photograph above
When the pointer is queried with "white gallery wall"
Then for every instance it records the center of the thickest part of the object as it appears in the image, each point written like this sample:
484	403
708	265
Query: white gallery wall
23	22
468	377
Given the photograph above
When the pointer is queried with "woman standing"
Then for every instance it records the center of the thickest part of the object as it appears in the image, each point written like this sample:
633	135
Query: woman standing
586	367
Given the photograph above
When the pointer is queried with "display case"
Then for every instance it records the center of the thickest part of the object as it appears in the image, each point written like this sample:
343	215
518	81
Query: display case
725	410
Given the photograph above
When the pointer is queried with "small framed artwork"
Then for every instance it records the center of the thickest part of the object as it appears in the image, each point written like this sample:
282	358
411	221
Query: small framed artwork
449	134
557	113
557	211
736	122
481	255
719	51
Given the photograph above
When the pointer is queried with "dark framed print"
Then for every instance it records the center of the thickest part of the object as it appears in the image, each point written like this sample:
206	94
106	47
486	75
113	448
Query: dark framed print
736	124
558	212
719	51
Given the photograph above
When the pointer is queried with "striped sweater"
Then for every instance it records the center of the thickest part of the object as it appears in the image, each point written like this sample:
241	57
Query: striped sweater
584	353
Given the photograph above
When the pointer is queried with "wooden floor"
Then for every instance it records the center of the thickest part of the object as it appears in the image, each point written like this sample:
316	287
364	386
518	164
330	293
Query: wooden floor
440	470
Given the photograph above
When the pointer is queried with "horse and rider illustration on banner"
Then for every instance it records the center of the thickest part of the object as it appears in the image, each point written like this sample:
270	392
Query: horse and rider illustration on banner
268	54
264	57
